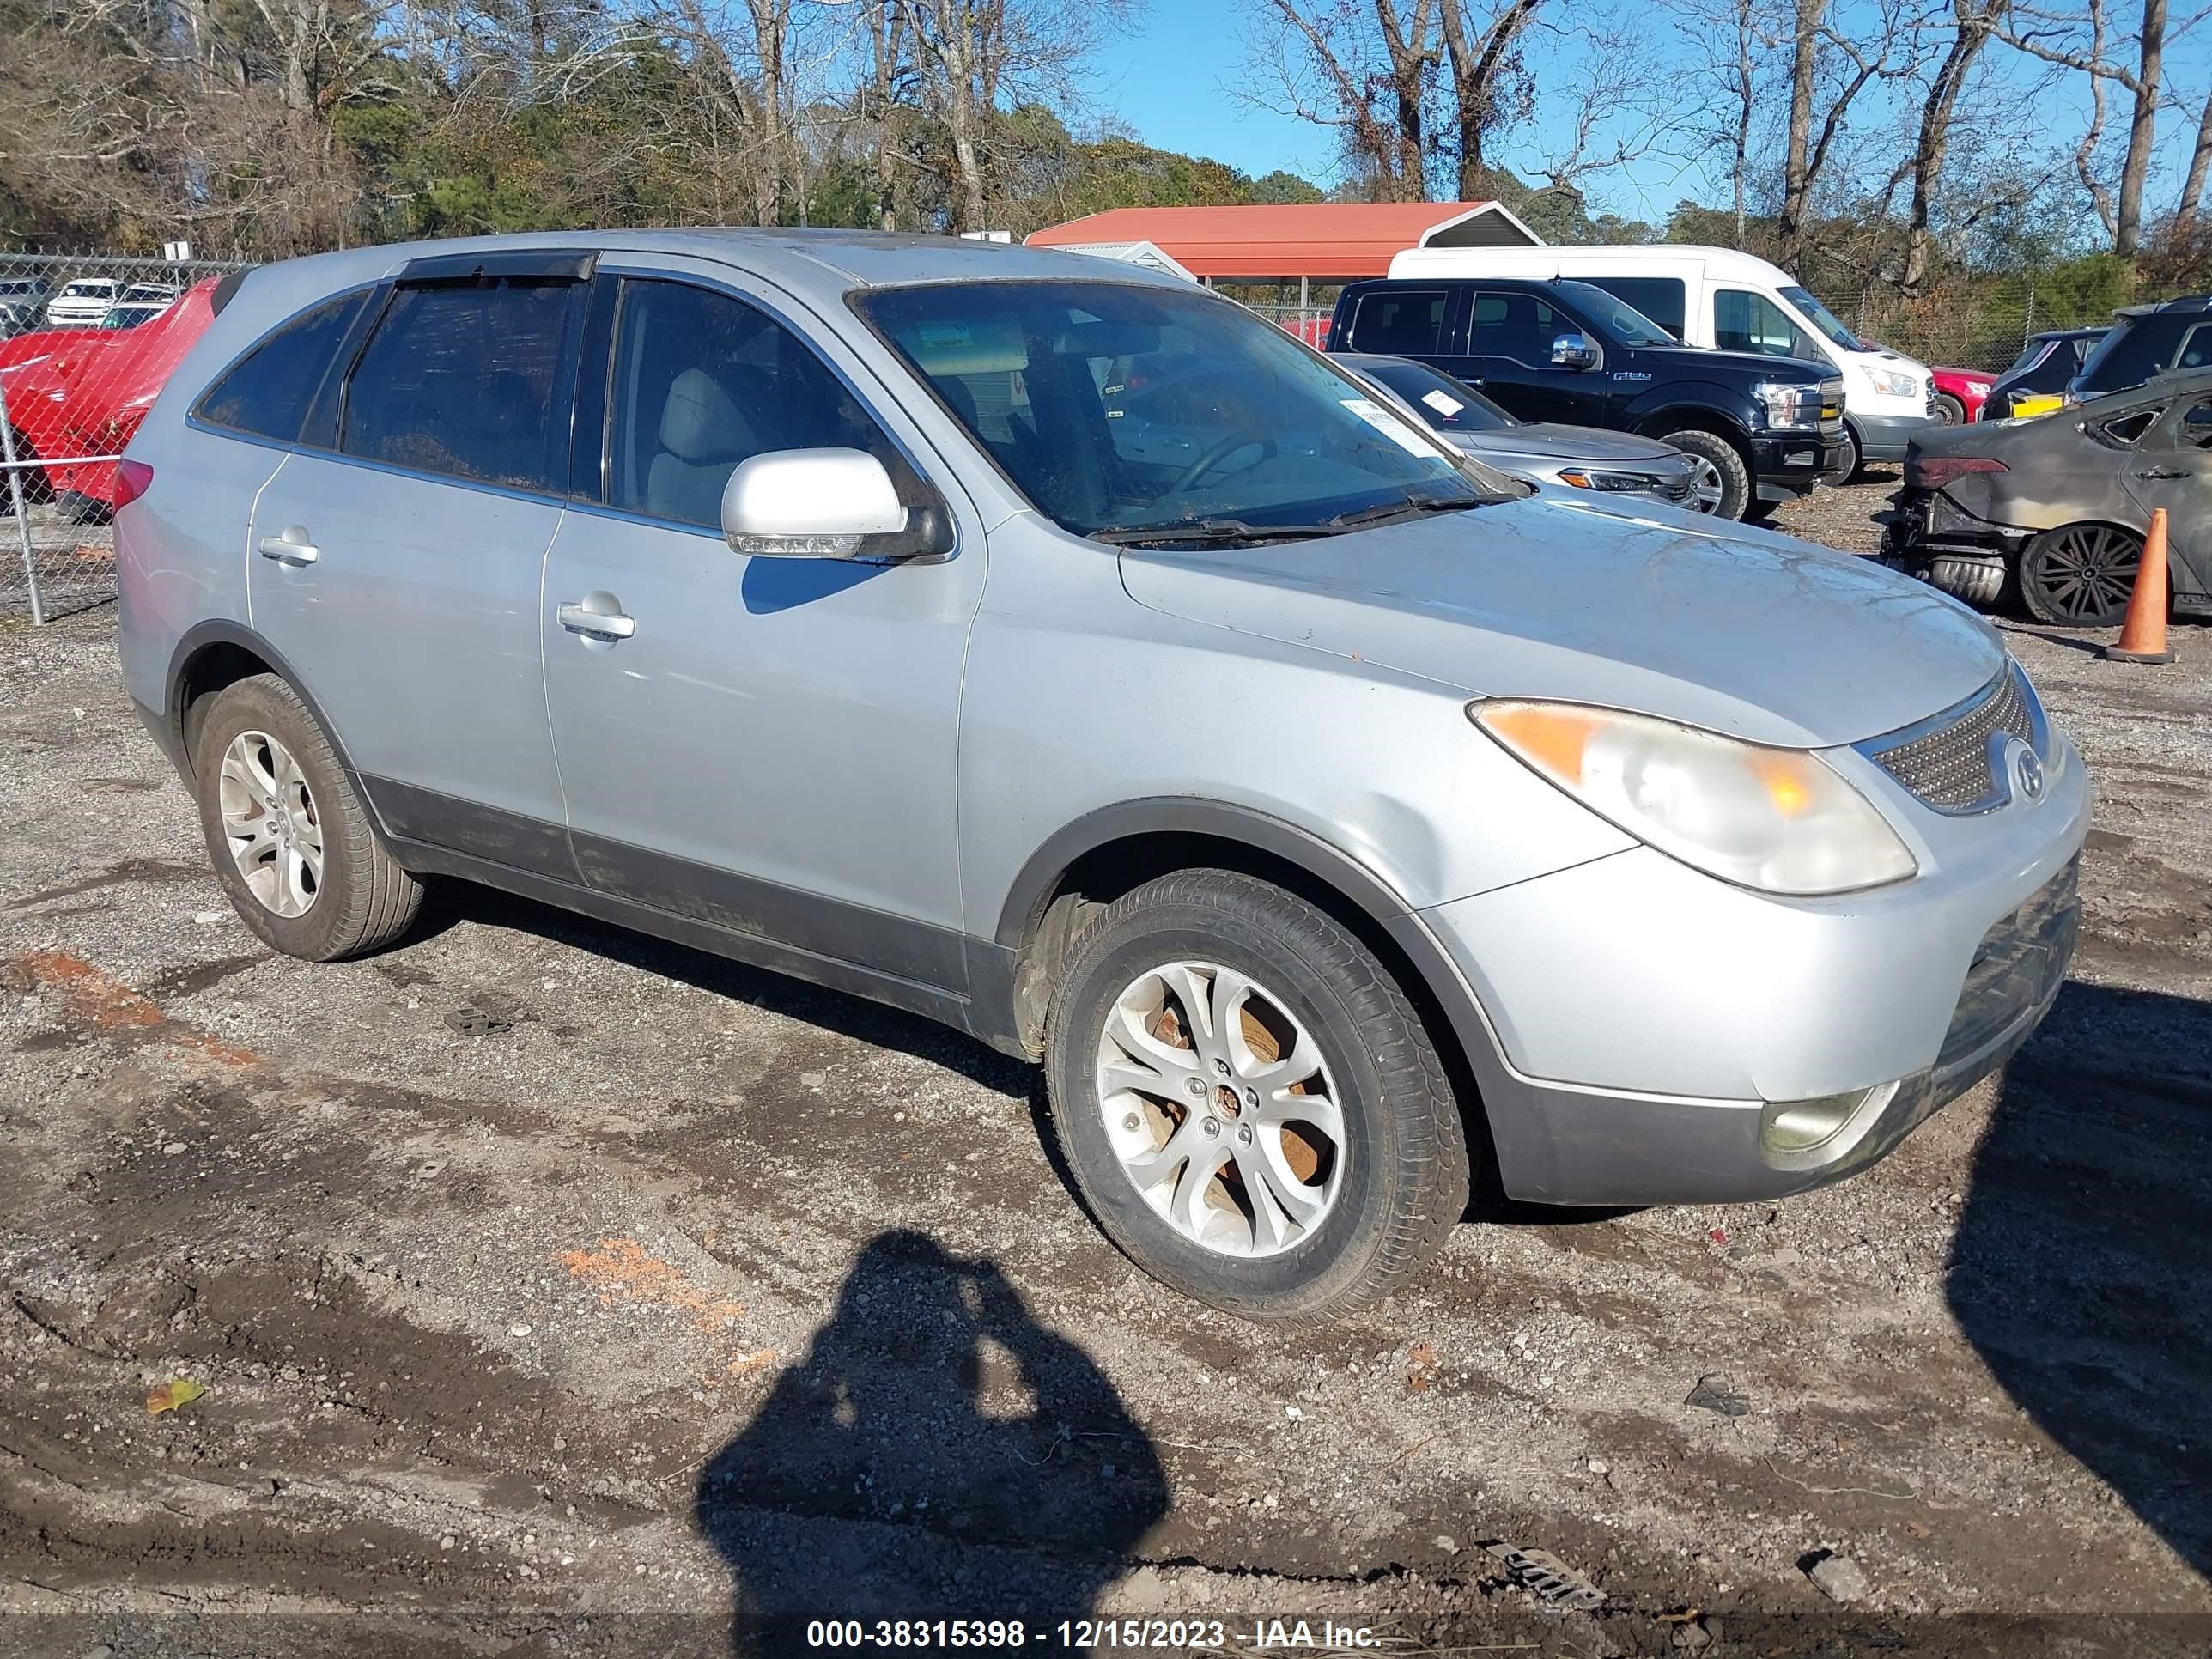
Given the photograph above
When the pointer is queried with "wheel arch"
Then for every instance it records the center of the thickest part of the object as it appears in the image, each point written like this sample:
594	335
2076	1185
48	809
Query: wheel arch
1077	872
1700	417
218	653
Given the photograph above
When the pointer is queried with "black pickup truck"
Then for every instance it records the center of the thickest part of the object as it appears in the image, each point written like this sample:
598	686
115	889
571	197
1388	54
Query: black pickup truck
1764	428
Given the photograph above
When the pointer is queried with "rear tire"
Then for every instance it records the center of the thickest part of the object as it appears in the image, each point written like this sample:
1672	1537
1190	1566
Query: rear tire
1723	481
1251	1109
290	840
1949	411
2080	575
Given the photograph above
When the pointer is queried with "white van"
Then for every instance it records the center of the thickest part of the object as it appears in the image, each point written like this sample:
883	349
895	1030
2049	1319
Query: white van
1716	297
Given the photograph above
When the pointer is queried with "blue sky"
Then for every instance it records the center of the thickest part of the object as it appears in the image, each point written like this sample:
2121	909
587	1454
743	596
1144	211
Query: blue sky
1172	76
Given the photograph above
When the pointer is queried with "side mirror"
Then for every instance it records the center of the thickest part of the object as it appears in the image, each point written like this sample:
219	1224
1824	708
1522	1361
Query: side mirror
1573	351
825	504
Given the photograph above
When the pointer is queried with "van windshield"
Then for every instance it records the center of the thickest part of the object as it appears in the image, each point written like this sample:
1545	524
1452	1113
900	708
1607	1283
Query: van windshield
1627	325
1823	319
1127	410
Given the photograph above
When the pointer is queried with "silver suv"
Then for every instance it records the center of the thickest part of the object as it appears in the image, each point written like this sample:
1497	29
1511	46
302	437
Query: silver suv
1064	653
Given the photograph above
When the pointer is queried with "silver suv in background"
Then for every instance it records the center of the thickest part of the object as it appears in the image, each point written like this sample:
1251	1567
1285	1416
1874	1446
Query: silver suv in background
1067	654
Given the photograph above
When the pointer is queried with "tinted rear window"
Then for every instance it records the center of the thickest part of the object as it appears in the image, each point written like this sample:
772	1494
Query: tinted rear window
464	379
1397	322
267	392
2138	348
1659	298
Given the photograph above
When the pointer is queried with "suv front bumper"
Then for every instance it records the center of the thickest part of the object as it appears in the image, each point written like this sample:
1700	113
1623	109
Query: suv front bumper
1638	1020
1886	437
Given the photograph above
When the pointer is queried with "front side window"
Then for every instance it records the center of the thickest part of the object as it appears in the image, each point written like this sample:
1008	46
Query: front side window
1123	407
2195	429
1615	316
1830	325
1745	321
1520	326
703	381
463	379
1402	322
267	392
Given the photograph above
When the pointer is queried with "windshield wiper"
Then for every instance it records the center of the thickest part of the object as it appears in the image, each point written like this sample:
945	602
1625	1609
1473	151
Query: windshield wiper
1204	531
1382	511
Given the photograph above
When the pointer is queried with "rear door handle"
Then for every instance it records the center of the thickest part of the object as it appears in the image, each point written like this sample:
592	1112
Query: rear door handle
599	625
2162	473
293	547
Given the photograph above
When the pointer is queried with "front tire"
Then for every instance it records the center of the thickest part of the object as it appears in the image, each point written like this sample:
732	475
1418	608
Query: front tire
1722	480
1949	411
2080	575
1251	1109
290	840
1847	460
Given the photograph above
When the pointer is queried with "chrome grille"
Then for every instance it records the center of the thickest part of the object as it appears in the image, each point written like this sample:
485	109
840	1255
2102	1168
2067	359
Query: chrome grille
1954	763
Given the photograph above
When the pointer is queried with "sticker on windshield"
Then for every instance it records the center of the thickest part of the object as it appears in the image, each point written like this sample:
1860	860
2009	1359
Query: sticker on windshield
1443	403
1388	425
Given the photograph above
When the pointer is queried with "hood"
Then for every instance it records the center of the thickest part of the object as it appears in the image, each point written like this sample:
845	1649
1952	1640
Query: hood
1693	361
1545	440
1758	635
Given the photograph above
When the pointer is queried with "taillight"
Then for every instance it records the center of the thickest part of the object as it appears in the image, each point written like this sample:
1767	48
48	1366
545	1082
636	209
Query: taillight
1933	471
132	480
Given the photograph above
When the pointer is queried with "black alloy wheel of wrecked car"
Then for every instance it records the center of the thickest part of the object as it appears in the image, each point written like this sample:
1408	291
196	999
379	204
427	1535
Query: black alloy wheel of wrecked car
2080	575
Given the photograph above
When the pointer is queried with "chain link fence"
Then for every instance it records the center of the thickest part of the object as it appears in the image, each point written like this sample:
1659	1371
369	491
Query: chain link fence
85	343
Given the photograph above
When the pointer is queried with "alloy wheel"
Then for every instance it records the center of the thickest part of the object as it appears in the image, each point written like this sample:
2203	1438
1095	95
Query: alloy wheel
2087	572
1706	488
1219	1105
271	822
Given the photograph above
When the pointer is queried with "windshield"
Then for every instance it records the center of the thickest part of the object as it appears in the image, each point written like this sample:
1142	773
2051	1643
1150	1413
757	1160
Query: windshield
1119	406
130	316
1447	405
1628	325
1823	319
91	290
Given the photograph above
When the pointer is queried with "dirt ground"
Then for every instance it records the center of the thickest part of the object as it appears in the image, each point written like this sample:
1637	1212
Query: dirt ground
555	1292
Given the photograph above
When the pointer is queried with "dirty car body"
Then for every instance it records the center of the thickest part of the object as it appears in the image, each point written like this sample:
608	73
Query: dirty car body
1071	657
2057	505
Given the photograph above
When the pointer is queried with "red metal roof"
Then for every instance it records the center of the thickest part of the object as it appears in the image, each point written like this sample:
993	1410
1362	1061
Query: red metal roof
1322	238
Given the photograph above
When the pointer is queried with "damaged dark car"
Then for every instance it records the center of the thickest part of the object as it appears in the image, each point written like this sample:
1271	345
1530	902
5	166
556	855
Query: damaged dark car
2053	510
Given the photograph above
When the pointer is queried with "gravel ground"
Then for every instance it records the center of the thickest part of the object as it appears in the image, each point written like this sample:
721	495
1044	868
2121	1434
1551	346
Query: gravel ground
554	1291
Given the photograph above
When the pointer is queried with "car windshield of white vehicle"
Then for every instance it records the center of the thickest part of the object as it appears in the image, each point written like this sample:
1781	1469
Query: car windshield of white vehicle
1445	403
1822	319
1627	325
1133	412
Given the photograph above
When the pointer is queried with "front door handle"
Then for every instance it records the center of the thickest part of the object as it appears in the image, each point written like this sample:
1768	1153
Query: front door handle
293	547
599	625
2162	473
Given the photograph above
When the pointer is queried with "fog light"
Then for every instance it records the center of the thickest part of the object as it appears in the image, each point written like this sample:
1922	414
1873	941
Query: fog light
1793	1128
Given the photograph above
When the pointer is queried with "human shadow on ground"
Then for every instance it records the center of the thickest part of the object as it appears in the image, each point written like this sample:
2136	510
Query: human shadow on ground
2084	1245
937	1453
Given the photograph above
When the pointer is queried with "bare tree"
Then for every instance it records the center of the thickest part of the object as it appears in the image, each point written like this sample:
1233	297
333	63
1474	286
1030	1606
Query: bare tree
1883	50
2080	41
1357	67
1974	22
1479	62
2200	163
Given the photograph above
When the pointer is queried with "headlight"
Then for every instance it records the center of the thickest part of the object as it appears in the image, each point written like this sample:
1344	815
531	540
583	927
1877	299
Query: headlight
1780	820
1977	388
1582	477
1892	384
1789	404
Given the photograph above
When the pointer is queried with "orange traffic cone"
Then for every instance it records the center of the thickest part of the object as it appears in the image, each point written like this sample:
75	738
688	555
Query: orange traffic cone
2142	635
